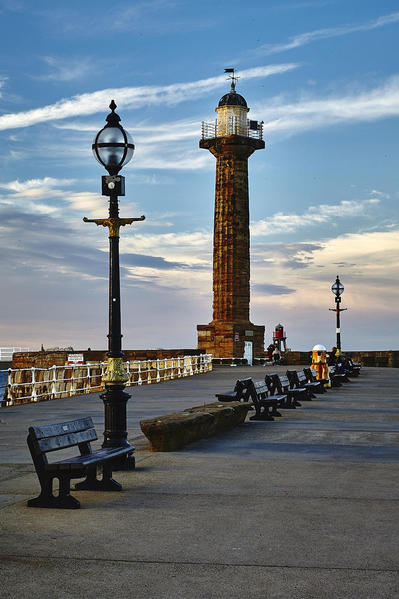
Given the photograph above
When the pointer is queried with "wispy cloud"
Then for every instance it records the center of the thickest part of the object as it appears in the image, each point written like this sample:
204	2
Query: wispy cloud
169	145
319	34
130	97
312	113
152	17
24	186
271	289
65	69
314	215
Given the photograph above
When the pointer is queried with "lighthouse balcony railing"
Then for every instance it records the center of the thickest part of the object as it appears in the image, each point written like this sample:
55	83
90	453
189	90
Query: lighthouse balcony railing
253	129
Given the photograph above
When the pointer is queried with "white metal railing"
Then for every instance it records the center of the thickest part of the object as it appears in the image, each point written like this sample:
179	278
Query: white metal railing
254	129
28	385
208	130
7	352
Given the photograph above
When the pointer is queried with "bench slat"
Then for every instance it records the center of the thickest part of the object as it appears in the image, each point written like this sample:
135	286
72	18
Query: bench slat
65	441
107	453
51	430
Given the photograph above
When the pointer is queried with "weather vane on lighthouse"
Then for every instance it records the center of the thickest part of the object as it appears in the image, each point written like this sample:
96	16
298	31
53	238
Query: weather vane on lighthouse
233	79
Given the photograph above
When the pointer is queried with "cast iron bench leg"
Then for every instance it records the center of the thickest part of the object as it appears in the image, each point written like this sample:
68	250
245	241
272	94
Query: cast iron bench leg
265	415
275	411
47	499
91	482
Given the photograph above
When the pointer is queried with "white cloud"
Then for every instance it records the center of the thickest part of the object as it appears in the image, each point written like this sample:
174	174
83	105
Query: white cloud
312	113
320	34
171	159
23	186
65	70
368	266
88	202
130	97
34	195
314	215
281	118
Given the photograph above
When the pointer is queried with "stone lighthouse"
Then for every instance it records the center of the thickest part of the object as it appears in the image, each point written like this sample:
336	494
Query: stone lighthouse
231	139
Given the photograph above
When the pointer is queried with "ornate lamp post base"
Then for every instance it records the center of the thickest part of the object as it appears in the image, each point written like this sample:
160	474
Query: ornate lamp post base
115	432
115	398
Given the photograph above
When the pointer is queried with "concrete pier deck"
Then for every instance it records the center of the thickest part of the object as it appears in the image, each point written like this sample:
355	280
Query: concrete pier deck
303	507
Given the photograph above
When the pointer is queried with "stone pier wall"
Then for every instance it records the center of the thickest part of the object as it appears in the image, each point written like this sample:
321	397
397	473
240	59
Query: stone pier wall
383	358
46	359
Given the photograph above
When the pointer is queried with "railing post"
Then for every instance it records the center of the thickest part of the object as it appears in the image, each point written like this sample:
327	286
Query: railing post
88	385
72	390
172	368
33	383
10	399
139	379
178	367
53	383
158	379
127	364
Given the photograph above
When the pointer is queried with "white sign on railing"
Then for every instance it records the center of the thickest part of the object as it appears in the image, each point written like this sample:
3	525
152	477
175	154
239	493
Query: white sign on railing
28	385
75	359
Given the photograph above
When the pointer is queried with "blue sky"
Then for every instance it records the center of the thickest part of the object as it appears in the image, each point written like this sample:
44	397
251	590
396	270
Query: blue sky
321	74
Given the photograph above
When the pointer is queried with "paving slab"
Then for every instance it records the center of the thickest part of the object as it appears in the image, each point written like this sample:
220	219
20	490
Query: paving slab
303	507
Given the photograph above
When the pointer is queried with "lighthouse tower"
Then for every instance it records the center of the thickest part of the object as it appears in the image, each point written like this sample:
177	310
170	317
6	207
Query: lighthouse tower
231	139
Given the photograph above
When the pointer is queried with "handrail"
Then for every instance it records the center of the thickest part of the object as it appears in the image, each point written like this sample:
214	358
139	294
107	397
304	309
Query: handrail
253	129
28	385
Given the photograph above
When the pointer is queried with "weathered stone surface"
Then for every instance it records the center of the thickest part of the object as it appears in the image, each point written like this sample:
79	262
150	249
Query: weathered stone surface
226	340
225	336
173	431
226	415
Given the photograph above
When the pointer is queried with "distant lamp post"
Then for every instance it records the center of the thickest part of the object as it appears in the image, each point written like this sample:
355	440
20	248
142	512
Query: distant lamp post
338	289
113	148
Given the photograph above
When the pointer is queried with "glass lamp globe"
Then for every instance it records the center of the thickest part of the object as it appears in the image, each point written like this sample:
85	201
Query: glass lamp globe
113	147
337	288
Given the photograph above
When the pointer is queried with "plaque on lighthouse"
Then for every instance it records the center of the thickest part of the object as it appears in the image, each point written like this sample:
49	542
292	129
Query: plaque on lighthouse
231	139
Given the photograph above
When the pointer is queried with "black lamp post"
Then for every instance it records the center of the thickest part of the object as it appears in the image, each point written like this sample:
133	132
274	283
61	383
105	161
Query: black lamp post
114	148
338	289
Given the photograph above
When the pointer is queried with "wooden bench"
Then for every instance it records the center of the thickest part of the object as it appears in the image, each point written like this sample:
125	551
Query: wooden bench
311	378
296	384
313	386
353	367
257	394
280	384
240	392
52	437
264	403
346	366
336	377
